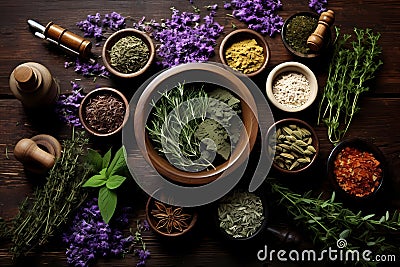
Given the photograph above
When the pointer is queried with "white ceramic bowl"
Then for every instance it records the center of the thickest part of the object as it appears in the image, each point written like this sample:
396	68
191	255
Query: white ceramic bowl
292	67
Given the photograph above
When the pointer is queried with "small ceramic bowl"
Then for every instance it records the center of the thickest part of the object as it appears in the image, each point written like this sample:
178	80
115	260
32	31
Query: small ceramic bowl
151	208
115	37
291	67
309	53
220	216
95	93
363	146
279	136
240	35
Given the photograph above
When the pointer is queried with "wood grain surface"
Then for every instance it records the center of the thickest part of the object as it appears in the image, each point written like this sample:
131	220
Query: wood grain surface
377	120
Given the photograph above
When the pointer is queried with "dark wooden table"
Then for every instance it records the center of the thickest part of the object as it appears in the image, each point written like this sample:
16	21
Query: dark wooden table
377	120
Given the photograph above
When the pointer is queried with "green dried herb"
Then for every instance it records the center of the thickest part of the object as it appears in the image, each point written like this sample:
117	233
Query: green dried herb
169	118
240	214
329	220
40	219
297	32
129	54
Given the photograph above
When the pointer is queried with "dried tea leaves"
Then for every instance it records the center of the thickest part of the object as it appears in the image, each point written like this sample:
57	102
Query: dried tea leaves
240	214
129	54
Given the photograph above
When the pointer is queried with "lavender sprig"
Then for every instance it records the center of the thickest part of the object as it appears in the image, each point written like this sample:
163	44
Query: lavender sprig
87	68
90	237
95	26
143	253
318	5
185	38
259	15
67	106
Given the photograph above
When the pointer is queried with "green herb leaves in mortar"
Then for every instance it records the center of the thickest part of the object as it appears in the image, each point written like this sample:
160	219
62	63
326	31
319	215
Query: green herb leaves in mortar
190	117
108	179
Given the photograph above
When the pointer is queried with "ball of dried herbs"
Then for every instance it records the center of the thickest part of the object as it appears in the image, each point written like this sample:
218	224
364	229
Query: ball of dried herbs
241	214
129	54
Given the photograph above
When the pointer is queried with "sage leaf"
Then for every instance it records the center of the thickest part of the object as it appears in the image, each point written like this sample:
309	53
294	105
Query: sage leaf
345	233
106	159
369	216
95	181
95	159
107	203
115	181
117	163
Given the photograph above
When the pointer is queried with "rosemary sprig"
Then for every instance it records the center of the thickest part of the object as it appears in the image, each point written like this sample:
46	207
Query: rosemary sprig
168	119
329	220
349	70
40	219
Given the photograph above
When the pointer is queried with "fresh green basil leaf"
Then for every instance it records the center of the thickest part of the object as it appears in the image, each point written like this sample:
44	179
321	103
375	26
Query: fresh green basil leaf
107	203
106	159
95	159
95	181
117	163
115	181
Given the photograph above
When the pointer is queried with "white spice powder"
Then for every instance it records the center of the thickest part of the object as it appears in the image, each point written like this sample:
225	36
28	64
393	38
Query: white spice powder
291	89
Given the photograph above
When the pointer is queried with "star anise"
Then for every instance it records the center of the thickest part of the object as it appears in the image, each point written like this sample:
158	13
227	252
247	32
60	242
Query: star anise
170	218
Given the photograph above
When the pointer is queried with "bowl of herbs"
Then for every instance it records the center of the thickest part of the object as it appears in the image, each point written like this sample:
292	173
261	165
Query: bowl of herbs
128	53
104	111
295	32
193	132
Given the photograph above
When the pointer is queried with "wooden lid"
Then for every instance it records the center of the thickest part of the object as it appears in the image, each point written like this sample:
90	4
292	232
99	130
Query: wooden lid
25	77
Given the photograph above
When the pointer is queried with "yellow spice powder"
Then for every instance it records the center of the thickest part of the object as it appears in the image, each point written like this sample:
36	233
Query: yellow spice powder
245	56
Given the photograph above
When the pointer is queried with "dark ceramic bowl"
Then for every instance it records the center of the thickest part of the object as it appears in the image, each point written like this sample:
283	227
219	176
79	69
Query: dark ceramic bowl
244	34
362	145
102	91
153	221
300	123
115	37
309	54
258	232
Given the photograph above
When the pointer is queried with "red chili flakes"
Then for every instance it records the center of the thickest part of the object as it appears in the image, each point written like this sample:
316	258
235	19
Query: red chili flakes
357	172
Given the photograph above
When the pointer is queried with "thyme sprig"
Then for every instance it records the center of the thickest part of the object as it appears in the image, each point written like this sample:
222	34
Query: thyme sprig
349	70
329	221
41	216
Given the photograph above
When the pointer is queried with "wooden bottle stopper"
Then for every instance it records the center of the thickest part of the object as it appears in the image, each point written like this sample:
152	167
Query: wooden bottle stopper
317	39
68	39
33	157
27	79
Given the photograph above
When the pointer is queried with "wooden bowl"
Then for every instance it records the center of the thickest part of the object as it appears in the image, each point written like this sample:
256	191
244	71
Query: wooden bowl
302	124
115	37
179	74
310	54
292	67
362	145
150	206
94	93
240	35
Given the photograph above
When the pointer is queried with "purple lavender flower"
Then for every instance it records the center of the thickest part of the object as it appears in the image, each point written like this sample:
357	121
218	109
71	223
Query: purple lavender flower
318	5
143	255
94	25
67	106
184	39
259	15
89	236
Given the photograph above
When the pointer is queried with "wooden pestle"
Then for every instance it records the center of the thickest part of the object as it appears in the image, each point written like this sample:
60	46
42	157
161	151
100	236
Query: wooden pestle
33	157
316	40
